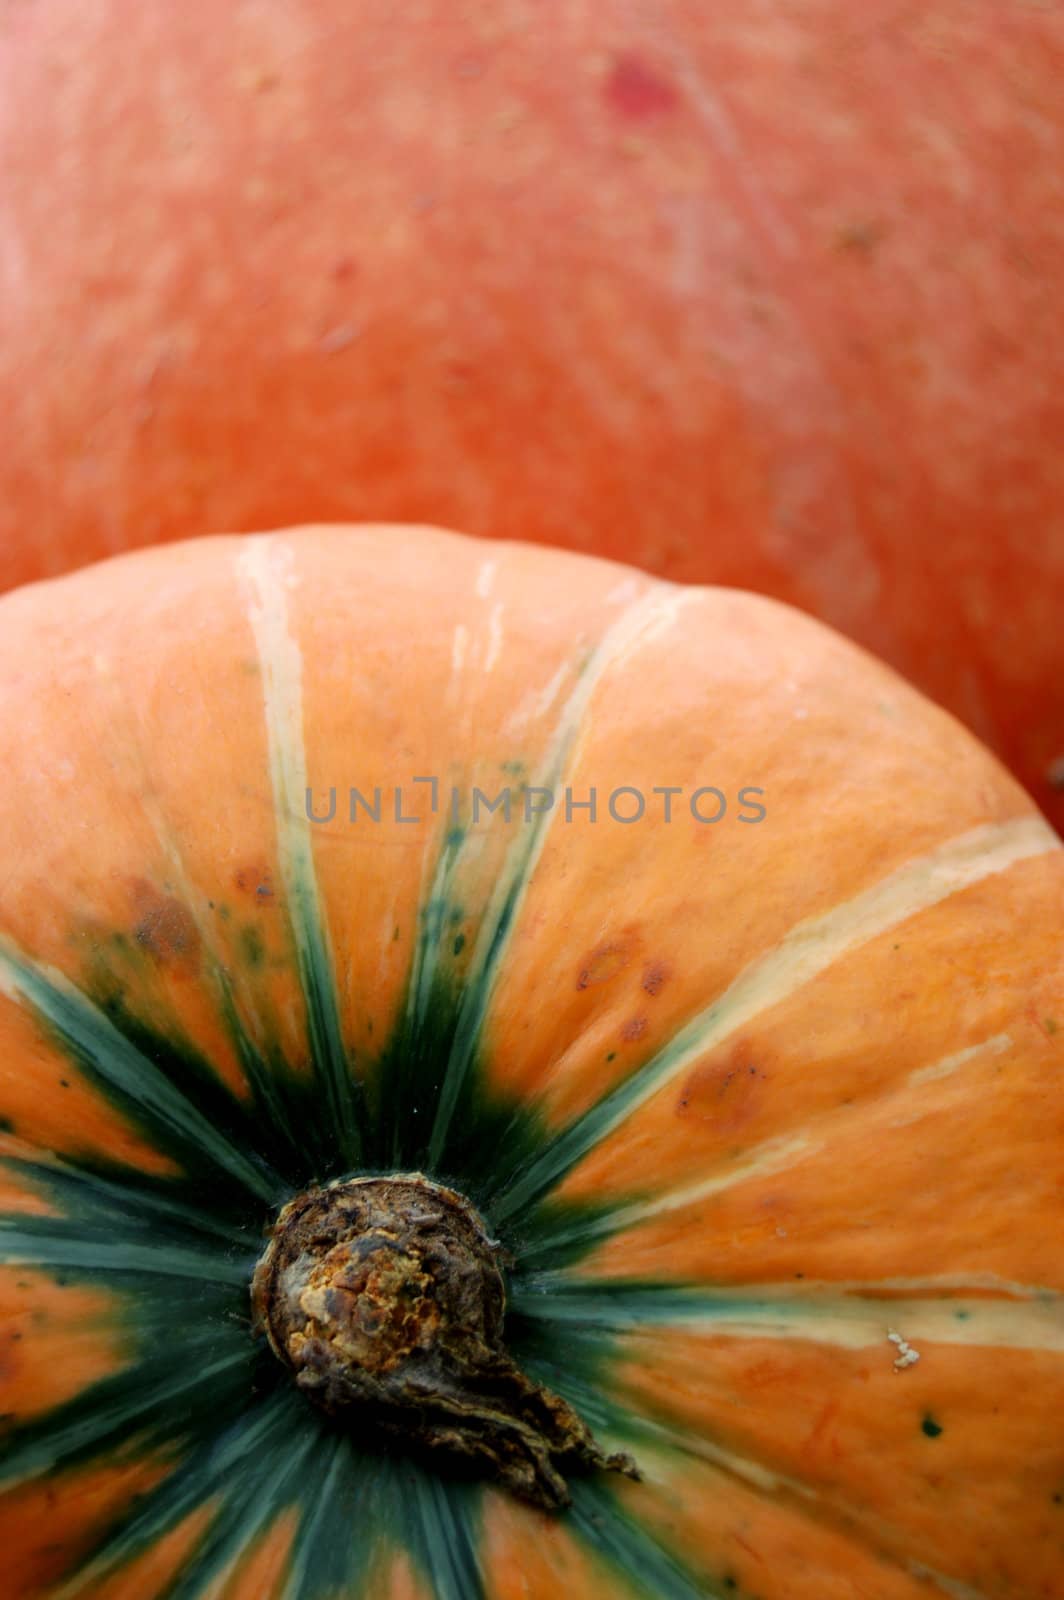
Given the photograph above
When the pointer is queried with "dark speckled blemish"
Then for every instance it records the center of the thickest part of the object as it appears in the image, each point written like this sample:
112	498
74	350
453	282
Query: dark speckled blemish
254	880
251	945
655	974
634	1029
165	928
729	1092
635	90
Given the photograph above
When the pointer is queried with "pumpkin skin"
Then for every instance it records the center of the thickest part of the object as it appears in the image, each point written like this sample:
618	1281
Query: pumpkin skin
762	296
759	1108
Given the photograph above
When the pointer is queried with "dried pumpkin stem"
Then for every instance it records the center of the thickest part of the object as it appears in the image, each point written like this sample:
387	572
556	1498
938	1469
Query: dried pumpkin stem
386	1299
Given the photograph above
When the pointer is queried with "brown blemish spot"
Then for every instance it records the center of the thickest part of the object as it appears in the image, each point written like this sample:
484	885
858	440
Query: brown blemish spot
727	1092
255	881
634	1029
165	928
655	974
633	89
604	963
860	237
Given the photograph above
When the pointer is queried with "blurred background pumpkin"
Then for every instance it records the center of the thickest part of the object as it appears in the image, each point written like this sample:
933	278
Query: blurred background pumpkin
764	295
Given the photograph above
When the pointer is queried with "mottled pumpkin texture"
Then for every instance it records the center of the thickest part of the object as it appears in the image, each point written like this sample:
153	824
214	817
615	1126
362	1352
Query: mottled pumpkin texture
764	293
762	1114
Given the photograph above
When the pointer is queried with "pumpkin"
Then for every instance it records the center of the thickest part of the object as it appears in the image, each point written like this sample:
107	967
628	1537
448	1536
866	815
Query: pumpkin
760	295
519	1079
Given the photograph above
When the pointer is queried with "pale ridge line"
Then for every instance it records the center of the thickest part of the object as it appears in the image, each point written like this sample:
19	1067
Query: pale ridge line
266	565
281	664
776	1155
817	943
811	1291
495	637
749	1472
996	1045
486	578
846	1323
952	1587
807	950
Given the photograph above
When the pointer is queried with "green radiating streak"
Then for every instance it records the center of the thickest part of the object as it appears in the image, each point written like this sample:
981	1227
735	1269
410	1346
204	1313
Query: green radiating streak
135	1409
328	1051
111	1062
240	1465
192	1369
642	1566
523	855
565	1149
479	985
85	1250
557	1233
426	964
505	903
617	1304
247	1510
444	1527
333	1549
132	1204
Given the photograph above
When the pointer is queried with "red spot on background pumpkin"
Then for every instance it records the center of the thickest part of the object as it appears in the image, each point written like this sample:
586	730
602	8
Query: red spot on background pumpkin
635	90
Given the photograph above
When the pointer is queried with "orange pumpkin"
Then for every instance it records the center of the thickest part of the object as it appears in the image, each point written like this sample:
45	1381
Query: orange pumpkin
746	1085
760	295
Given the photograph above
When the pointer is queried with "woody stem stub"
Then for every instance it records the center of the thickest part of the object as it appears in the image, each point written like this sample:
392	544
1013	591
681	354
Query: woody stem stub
385	1298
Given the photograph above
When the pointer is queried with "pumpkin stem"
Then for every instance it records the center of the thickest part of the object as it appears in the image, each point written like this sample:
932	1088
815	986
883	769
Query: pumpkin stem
386	1299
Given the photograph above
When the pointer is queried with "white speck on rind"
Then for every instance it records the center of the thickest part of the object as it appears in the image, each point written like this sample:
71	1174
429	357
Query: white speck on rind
907	1356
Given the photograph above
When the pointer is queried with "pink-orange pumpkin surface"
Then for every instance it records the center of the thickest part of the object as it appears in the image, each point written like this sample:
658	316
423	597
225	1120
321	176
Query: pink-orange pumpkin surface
751	1077
764	294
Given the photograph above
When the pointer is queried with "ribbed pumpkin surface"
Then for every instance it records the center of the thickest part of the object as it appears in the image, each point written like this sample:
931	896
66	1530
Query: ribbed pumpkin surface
766	1112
